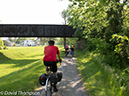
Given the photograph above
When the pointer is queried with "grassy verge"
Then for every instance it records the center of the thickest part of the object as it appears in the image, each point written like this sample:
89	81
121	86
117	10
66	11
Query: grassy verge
99	78
20	68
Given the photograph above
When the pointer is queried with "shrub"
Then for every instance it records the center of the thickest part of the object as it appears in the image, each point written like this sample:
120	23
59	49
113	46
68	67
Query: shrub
121	47
89	45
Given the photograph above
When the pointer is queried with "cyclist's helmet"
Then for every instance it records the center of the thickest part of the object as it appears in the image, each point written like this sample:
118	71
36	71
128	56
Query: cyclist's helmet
51	42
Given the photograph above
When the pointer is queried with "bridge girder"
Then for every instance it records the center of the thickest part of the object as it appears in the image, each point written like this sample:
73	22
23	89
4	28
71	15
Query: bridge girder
36	30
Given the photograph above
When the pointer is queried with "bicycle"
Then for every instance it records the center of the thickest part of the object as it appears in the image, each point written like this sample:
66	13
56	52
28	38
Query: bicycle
66	52
49	87
50	80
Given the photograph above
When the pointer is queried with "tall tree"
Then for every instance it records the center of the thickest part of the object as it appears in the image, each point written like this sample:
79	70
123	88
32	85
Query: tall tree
64	15
105	22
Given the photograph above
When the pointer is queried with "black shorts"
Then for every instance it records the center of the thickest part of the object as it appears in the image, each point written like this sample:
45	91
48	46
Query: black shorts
72	49
66	48
53	65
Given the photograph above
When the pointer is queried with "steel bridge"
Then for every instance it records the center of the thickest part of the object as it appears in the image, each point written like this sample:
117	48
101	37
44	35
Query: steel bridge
36	30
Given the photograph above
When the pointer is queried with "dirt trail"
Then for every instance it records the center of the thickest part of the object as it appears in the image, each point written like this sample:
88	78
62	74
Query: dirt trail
71	84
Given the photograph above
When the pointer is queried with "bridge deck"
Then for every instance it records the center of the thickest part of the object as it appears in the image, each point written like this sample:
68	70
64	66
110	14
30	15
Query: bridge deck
35	30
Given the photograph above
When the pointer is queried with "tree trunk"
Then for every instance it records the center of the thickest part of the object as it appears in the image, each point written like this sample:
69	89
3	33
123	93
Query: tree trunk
64	41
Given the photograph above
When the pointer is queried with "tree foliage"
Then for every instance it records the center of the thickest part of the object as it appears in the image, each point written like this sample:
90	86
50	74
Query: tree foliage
105	24
65	15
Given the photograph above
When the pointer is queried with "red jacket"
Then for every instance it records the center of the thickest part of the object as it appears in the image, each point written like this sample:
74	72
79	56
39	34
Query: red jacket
50	53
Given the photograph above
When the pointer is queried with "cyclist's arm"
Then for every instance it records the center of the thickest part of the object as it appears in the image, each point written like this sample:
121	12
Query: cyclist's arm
58	53
59	56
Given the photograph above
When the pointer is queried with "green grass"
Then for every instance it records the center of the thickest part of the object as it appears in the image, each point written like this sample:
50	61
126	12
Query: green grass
20	68
99	79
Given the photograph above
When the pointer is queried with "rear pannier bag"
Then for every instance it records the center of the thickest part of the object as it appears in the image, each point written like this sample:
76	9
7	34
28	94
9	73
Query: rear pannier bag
53	78
59	74
42	79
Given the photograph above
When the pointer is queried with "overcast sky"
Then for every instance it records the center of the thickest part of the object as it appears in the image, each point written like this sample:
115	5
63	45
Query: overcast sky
32	11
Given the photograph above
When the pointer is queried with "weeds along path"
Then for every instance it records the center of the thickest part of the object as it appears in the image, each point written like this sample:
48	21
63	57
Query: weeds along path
71	84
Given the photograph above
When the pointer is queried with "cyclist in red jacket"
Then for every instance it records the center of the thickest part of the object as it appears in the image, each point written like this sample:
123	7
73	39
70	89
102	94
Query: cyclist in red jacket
50	59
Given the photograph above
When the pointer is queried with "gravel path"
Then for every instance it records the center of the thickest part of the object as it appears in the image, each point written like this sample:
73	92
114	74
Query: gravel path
71	84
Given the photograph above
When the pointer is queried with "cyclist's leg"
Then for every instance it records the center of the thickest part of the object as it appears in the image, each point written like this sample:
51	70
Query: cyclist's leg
54	68
47	67
73	51
67	50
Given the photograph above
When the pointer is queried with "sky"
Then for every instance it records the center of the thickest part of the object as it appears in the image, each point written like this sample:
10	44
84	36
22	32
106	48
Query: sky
32	11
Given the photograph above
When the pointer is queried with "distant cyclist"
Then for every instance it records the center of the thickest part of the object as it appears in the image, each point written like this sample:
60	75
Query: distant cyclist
50	59
66	49
72	49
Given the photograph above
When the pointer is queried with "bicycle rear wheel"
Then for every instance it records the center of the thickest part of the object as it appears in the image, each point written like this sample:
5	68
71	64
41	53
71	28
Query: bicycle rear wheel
48	93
